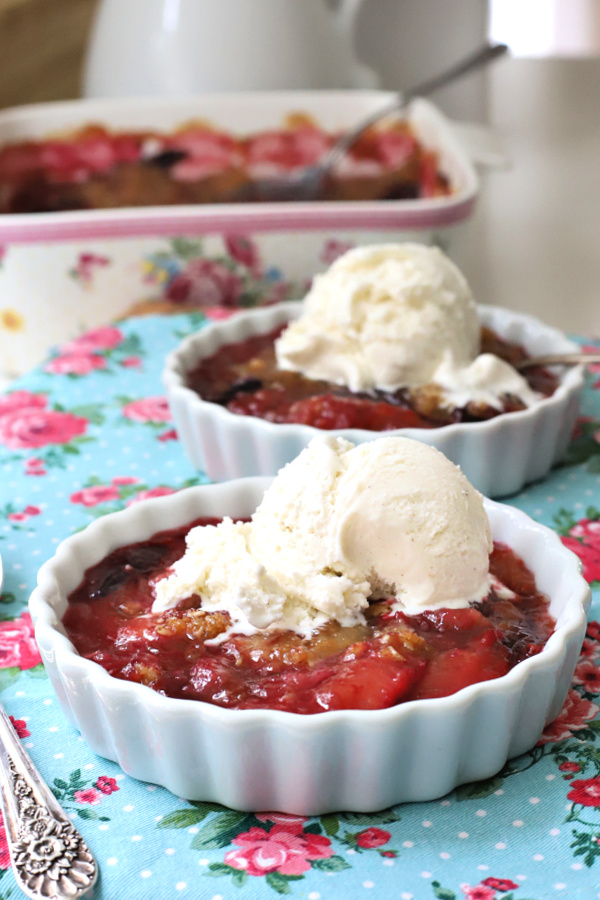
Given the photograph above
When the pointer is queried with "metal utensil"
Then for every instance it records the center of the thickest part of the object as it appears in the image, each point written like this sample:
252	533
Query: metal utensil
307	183
50	859
558	359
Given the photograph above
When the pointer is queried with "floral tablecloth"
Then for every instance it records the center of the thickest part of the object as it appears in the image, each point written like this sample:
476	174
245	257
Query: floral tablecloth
90	432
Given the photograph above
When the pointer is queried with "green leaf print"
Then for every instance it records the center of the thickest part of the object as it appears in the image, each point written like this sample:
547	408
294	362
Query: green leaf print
280	883
221	830
332	864
331	825
365	820
183	818
442	893
9	676
478	790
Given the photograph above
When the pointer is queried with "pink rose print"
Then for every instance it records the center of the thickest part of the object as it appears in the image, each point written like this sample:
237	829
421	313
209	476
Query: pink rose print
32	510
75	364
148	409
243	250
478	892
500	884
88	262
131	362
277	818
20	726
205	282
20	400
279	850
218	313
35	466
152	492
88	795
17	644
588	676
333	249
574	716
106	785
372	837
4	853
97	493
38	427
124	479
586	791
17	517
98	339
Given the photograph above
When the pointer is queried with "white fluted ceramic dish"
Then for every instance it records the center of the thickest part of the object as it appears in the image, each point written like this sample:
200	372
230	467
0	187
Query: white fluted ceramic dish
498	456
360	760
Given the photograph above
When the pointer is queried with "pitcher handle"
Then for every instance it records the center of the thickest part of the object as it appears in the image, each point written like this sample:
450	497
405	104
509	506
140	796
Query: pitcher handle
345	15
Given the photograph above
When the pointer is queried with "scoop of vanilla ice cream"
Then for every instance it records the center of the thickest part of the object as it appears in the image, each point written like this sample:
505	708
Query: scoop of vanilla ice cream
340	524
396	514
382	317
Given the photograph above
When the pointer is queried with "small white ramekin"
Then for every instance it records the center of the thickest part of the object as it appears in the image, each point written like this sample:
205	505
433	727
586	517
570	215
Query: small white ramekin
360	760
498	456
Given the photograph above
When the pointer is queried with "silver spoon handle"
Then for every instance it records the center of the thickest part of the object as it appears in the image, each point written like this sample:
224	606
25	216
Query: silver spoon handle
474	61
50	858
559	359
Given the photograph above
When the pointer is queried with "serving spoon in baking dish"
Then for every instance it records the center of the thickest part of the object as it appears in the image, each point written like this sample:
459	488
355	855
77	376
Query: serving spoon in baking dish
558	359
307	183
50	859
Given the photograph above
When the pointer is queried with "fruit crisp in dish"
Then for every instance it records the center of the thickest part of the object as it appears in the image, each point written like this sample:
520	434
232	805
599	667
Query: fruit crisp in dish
366	577
388	338
98	169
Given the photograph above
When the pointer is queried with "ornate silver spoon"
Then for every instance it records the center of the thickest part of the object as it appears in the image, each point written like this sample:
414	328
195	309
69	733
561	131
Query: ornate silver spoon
50	858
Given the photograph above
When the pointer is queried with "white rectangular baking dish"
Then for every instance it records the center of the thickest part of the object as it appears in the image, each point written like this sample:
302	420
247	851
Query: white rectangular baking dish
64	272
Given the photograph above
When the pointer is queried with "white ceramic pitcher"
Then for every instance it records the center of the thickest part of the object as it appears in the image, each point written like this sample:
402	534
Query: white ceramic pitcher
140	47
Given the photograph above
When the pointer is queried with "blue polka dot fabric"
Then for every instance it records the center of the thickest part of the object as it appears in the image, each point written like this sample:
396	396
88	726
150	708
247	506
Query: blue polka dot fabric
90	432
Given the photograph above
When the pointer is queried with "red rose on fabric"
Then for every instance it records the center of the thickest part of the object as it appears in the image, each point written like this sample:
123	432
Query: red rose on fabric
588	675
206	282
98	339
20	726
4	854
372	837
21	400
170	435
569	766
243	250
588	554
585	791
574	716
124	479
278	850
38	427
75	364
152	492
106	785
97	493
478	892
32	510
17	644
500	884
148	409
593	631
89	795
